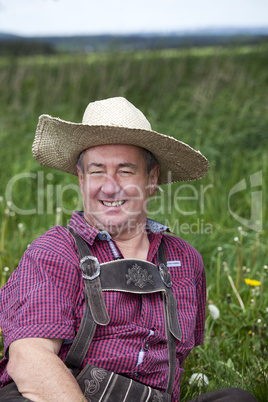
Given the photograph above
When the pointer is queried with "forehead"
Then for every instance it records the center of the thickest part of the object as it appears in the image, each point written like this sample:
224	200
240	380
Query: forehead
120	152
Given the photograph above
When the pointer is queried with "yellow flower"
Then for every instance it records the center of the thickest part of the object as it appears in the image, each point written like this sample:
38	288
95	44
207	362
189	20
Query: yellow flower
252	282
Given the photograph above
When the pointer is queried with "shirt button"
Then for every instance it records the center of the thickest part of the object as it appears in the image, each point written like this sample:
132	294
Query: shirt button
146	345
136	374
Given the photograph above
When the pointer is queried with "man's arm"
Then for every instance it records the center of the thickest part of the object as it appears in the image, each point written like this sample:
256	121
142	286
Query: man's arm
39	373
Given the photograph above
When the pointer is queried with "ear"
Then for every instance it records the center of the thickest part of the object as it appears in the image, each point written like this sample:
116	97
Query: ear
80	178
153	179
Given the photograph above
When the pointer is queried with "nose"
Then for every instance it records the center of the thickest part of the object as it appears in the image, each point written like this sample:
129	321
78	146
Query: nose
110	186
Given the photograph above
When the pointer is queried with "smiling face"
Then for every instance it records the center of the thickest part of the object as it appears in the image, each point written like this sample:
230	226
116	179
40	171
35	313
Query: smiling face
115	187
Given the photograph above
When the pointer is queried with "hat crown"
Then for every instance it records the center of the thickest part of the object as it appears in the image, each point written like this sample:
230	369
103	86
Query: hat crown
116	112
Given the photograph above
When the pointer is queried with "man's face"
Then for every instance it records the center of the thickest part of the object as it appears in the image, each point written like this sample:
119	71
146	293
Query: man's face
115	188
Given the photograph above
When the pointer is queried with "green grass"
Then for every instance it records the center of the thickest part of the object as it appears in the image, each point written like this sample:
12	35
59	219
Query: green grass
215	99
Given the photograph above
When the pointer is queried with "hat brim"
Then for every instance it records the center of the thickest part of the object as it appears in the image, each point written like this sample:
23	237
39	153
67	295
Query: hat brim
58	144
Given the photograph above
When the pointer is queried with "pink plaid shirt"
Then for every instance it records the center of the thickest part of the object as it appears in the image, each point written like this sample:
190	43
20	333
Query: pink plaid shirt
44	298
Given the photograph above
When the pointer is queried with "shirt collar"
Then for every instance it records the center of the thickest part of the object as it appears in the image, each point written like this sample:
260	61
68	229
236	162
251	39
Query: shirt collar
87	232
156	227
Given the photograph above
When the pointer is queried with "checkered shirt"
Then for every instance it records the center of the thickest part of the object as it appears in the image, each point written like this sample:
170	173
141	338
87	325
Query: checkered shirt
44	298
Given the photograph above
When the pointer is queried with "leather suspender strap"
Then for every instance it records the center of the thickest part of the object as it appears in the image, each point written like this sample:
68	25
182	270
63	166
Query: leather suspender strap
91	272
172	325
81	343
95	309
93	295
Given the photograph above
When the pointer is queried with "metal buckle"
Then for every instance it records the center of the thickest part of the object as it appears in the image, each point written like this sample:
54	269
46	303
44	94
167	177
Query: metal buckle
165	275
97	264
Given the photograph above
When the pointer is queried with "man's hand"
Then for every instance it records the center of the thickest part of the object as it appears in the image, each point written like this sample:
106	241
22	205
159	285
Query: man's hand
39	373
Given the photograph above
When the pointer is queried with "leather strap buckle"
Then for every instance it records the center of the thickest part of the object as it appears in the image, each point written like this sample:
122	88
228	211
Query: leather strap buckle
165	275
87	268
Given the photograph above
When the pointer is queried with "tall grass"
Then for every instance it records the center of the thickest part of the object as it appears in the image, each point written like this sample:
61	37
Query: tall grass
215	100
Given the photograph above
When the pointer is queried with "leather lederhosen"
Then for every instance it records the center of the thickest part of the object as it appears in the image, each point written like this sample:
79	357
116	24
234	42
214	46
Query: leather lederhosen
126	275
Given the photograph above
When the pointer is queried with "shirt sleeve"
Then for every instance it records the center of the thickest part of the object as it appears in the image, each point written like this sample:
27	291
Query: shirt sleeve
40	299
201	302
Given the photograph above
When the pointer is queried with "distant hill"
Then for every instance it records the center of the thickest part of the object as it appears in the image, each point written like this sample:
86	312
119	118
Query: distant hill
7	36
230	31
16	45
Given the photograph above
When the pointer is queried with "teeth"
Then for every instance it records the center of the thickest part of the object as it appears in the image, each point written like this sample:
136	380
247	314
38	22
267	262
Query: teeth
113	204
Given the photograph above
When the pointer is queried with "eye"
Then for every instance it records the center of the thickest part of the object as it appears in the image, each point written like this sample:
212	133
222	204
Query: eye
96	172
126	172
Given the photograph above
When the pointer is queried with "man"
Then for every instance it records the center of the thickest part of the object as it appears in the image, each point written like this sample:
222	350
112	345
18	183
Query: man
119	161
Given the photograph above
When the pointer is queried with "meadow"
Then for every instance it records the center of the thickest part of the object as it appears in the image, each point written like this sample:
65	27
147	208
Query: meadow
216	100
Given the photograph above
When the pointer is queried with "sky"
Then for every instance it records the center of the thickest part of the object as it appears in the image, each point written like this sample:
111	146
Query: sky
75	17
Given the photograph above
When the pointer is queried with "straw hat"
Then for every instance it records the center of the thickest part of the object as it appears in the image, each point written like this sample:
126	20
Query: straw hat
58	143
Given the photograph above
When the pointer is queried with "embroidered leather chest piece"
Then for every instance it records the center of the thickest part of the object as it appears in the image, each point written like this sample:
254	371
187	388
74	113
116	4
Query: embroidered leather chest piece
140	277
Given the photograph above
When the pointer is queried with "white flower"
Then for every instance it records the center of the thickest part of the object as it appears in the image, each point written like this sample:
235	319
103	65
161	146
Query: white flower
257	291
219	248
236	239
199	379
20	226
214	311
6	269
9	204
58	210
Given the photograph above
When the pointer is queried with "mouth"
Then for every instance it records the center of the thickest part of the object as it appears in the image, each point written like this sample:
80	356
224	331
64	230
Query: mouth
113	203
